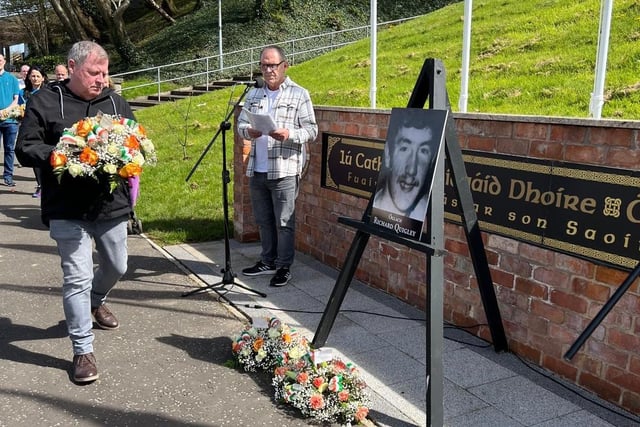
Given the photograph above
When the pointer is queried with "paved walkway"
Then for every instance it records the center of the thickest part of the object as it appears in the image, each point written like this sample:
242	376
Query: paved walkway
165	364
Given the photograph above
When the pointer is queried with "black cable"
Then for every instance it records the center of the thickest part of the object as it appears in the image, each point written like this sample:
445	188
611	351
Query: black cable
464	329
290	310
544	374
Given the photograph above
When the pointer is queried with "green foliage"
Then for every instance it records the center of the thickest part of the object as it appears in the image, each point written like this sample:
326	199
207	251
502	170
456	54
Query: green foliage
196	34
47	63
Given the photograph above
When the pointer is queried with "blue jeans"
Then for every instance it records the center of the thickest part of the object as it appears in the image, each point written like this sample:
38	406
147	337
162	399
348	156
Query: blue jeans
83	290
9	132
274	205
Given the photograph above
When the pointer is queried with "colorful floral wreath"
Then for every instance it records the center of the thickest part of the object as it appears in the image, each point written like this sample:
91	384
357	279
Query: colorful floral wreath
103	146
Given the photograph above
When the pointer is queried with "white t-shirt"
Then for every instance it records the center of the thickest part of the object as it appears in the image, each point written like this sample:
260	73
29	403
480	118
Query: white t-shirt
262	152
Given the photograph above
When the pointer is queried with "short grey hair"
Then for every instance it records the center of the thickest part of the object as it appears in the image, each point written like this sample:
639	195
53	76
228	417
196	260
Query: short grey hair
82	49
283	56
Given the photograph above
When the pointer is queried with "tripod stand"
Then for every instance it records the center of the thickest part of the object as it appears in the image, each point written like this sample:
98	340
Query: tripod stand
228	276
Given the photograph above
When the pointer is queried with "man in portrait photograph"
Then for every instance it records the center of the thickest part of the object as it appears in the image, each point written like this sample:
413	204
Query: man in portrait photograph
410	154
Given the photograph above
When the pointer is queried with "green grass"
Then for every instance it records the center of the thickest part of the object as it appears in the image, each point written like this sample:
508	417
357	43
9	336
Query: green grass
532	57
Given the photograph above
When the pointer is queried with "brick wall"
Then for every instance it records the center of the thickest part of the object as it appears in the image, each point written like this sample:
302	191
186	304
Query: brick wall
546	298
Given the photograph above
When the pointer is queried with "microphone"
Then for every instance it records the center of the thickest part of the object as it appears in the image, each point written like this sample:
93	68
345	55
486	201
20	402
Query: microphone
258	82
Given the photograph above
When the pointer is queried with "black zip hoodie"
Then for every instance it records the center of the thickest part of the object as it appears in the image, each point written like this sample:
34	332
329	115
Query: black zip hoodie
48	113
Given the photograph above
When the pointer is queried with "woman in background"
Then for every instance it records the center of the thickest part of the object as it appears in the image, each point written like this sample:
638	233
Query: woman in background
36	79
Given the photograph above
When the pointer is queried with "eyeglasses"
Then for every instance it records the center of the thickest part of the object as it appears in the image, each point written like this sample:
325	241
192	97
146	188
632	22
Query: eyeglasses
271	66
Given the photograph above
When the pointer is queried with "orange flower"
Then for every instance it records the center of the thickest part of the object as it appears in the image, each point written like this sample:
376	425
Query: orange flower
132	142
362	413
318	381
343	396
339	365
286	338
83	128
142	130
88	156
257	344
302	377
57	160
129	170
316	401
280	371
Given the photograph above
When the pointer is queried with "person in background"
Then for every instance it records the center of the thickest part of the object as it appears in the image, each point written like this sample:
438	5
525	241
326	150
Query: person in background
36	80
275	162
9	92
61	72
22	75
81	212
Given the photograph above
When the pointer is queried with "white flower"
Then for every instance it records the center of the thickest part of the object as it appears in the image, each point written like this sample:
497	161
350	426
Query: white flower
75	170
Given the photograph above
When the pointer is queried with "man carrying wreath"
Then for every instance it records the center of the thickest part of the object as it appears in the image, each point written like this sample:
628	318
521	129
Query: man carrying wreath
80	210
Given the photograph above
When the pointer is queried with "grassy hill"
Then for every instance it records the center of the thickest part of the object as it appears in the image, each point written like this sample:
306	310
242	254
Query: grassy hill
534	58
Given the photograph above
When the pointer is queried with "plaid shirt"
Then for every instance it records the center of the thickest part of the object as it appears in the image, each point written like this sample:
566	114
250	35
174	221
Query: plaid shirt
293	110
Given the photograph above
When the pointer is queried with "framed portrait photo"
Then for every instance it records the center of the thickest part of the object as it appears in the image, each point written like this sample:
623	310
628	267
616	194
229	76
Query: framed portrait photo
411	151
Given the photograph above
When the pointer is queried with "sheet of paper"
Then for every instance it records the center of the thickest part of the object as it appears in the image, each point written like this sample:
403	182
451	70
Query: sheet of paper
262	122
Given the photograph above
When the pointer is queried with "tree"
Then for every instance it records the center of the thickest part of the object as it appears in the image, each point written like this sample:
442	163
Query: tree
112	14
166	15
33	16
78	25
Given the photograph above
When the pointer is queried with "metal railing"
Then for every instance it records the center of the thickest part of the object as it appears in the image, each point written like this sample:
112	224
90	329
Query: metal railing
243	62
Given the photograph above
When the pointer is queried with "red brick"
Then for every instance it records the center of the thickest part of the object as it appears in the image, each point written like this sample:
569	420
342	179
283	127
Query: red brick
457	247
530	131
545	150
612	137
585	154
567	300
546	345
588	364
631	402
560	367
532	288
602	388
609	275
548	311
503	278
590	290
568	134
606	353
512	146
497	128
561	335
516	265
634	365
624	379
540	256
623	158
623	340
574	265
526	351
481	143
552	277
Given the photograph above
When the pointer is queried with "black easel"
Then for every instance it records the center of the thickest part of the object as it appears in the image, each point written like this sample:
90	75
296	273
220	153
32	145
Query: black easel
228	276
603	313
429	85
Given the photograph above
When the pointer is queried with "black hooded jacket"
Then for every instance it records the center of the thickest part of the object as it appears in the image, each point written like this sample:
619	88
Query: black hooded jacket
48	113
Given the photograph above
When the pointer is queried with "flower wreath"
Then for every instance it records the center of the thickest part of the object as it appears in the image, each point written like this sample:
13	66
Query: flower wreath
324	388
16	112
103	145
267	347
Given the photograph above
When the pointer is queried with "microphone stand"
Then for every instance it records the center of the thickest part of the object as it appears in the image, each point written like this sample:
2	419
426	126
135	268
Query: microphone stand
228	276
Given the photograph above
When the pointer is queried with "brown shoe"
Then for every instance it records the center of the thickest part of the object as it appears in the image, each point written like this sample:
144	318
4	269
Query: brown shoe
104	317
84	368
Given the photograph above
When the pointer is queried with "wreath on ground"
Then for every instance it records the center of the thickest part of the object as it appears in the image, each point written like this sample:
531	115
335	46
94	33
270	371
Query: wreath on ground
319	385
